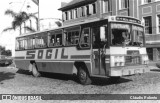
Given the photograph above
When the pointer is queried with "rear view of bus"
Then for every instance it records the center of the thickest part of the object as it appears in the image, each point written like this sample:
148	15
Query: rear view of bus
127	47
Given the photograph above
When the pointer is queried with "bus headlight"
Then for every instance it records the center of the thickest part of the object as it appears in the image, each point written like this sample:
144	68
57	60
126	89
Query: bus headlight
117	61
145	59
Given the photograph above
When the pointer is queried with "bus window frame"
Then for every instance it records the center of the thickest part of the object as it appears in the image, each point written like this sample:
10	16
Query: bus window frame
131	34
55	40
143	34
73	38
106	42
42	35
81	36
71	29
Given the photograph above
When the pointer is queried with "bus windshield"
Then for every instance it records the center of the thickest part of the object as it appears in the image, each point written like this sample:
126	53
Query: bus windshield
126	35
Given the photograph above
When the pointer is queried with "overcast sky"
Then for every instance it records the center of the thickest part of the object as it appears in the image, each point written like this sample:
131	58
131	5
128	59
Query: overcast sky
47	10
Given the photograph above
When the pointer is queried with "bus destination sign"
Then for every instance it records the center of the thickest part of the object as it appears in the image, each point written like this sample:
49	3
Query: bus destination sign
128	20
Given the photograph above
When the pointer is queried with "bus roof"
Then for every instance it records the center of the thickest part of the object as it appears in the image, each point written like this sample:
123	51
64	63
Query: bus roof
109	18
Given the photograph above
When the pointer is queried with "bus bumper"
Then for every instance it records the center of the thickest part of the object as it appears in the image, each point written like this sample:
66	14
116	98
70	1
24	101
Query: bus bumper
129	70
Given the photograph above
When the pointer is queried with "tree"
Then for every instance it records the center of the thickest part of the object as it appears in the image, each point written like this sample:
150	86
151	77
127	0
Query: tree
3	51
19	19
7	53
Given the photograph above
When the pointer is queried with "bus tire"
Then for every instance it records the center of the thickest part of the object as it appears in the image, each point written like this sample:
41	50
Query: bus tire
83	76
35	72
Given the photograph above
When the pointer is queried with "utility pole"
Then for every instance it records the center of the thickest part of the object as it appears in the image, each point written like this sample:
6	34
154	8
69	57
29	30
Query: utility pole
38	22
128	8
38	17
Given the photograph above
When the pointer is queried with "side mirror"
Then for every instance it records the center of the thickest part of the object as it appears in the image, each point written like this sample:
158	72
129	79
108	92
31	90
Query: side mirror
102	33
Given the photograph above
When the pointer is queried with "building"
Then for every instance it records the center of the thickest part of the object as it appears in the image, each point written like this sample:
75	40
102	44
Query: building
148	11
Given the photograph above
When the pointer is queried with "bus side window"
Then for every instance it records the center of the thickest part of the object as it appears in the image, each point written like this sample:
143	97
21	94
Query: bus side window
96	37
17	44
41	40
44	42
75	37
85	38
58	40
52	40
69	40
72	38
22	43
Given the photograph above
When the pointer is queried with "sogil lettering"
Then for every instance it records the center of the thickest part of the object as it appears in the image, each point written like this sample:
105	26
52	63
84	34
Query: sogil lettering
47	55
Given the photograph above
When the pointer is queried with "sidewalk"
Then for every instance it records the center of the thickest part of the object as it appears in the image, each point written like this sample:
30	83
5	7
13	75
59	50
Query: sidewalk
152	65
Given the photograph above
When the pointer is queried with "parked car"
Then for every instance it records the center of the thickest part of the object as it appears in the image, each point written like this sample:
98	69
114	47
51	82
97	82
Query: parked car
5	60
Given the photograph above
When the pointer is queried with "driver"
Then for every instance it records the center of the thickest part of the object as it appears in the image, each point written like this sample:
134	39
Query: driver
125	37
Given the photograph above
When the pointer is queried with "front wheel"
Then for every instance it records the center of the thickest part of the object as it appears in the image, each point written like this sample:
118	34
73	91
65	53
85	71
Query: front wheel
35	72
83	76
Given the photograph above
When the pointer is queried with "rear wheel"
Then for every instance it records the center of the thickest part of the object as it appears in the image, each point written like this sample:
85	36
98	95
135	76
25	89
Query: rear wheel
35	72
83	76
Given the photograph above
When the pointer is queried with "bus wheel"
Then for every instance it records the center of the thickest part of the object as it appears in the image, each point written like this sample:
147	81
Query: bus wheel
83	76
35	72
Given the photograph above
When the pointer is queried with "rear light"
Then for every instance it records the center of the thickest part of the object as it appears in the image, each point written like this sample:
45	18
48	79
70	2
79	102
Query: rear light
117	61
145	59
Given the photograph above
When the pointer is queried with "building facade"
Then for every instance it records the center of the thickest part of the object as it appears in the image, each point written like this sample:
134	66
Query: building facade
148	11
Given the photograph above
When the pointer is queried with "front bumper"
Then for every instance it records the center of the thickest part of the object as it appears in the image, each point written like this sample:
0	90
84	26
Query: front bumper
129	70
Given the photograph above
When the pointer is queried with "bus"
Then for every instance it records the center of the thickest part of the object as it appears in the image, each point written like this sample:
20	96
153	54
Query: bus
110	47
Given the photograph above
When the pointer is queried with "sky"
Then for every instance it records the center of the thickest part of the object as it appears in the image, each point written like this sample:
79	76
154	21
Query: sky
47	10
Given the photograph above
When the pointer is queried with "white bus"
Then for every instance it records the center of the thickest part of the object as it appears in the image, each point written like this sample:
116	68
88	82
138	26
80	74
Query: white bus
111	47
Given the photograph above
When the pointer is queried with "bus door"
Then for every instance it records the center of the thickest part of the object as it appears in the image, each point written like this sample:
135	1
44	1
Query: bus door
98	53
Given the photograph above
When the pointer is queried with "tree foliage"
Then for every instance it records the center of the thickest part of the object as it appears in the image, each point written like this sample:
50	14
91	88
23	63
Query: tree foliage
3	51
19	19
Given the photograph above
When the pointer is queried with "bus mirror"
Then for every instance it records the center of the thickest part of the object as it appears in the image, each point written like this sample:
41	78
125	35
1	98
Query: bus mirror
102	33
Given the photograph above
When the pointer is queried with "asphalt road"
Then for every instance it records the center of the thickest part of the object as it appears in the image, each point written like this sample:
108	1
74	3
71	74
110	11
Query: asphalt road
14	81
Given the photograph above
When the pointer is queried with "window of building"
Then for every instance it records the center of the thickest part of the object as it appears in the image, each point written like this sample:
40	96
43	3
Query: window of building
87	10
105	6
75	13
148	24
82	11
71	14
146	1
94	8
158	23
123	4
65	16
